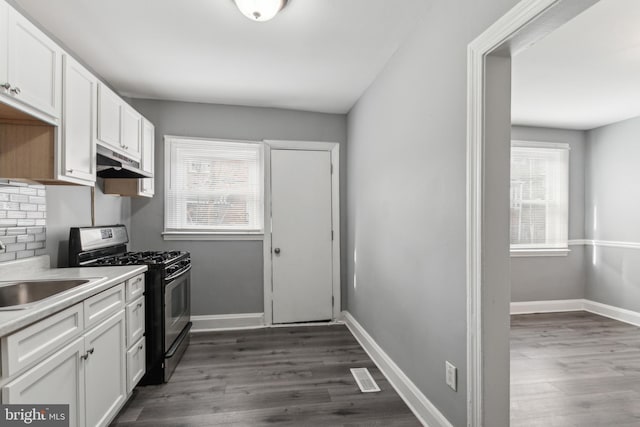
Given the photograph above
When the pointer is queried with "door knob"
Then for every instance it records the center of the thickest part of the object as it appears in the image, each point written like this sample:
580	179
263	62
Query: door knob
277	251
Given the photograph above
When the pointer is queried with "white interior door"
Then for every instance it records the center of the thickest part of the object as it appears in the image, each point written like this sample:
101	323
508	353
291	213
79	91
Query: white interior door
301	236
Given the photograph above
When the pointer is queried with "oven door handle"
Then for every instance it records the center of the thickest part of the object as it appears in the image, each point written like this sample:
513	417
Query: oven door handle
178	274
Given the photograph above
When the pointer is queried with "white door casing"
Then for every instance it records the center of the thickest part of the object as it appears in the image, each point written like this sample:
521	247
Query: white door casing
301	236
488	149
332	292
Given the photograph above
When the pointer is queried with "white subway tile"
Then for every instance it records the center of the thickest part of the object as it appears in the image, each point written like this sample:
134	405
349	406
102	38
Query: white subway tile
24	254
15	247
16	214
11	256
29	191
18	198
36	245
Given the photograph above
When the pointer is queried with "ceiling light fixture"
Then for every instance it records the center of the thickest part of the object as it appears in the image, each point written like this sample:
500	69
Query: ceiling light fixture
260	10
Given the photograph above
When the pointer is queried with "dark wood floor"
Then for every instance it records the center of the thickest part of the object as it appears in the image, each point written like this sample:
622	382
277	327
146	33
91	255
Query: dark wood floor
574	369
296	376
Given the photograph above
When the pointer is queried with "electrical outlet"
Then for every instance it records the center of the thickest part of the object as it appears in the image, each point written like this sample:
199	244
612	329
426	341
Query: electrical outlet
452	375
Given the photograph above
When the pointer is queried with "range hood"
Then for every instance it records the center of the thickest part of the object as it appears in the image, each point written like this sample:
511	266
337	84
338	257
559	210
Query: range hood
114	165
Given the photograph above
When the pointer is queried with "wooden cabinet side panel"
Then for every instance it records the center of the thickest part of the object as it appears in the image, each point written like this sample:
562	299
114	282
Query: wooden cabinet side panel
27	151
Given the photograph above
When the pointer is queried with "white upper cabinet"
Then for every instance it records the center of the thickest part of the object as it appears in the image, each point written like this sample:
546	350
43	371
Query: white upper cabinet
148	153
78	141
131	131
119	125
31	67
109	117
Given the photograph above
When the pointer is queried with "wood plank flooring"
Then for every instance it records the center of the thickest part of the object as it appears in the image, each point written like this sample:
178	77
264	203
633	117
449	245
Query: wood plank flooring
574	369
297	376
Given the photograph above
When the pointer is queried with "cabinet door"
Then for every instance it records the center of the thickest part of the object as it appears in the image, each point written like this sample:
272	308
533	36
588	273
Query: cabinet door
105	370
135	321
4	46
148	153
78	143
109	117
135	364
56	380
34	66
131	131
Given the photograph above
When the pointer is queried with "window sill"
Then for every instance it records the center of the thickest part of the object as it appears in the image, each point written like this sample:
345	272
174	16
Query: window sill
516	253
198	235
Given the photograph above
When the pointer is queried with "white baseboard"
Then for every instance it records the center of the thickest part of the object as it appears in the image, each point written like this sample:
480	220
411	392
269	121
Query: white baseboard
426	412
621	314
529	307
222	322
610	311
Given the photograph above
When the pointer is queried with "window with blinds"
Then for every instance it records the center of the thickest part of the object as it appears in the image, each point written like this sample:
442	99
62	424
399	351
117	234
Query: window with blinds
213	186
539	195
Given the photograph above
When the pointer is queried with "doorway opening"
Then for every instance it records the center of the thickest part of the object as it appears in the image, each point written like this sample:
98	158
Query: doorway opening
488	193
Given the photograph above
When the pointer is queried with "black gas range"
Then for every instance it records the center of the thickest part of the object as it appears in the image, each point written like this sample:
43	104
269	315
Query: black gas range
167	291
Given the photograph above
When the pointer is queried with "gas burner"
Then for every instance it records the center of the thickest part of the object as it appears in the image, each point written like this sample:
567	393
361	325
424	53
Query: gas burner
145	257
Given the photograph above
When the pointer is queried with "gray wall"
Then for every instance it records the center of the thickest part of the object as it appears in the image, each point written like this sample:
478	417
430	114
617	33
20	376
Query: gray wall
70	206
406	176
227	277
613	174
551	278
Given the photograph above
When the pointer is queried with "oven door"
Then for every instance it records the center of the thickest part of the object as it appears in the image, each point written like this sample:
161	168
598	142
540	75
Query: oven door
177	306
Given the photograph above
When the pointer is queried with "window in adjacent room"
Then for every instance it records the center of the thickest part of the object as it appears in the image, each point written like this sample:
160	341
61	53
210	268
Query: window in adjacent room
539	198
213	187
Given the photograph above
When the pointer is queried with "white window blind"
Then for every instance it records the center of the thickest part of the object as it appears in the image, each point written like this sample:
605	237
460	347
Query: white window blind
213	186
539	195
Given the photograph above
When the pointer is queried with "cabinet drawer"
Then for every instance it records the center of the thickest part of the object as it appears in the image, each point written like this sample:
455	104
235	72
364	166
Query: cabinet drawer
135	321
103	305
135	287
135	364
34	342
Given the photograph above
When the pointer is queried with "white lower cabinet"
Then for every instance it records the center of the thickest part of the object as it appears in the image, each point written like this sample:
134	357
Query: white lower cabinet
60	379
135	364
89	375
105	371
94	372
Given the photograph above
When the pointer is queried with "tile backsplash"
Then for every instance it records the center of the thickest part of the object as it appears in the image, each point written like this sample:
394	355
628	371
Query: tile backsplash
23	213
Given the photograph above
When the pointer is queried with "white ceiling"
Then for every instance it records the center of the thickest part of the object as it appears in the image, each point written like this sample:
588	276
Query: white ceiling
316	55
584	75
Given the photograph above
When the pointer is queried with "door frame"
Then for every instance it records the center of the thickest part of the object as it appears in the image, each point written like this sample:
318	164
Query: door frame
334	149
488	154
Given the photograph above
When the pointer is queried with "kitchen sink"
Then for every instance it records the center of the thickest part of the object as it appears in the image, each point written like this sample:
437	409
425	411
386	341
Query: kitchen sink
20	294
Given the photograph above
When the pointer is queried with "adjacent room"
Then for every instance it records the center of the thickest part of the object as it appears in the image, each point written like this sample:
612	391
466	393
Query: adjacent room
275	212
575	281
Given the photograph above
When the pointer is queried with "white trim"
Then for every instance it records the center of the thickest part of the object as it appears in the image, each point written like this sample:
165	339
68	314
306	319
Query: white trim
334	149
556	306
553	306
426	411
301	145
540	144
578	242
224	322
182	235
605	243
517	253
523	25
612	312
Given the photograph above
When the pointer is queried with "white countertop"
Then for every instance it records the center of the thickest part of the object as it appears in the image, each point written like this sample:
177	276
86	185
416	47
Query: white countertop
101	278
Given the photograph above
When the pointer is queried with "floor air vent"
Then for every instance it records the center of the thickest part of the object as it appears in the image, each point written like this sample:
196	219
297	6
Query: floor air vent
364	380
